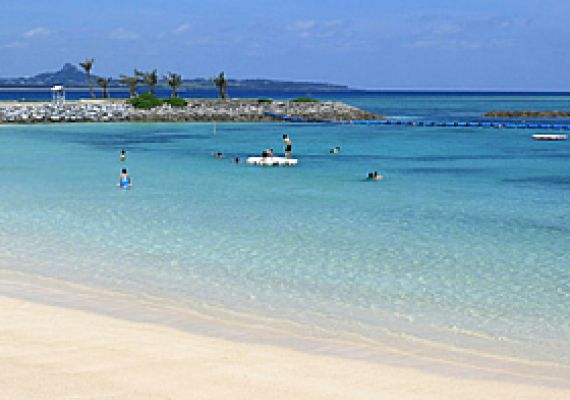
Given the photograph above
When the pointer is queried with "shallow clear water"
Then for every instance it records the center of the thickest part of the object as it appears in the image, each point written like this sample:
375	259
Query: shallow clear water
464	245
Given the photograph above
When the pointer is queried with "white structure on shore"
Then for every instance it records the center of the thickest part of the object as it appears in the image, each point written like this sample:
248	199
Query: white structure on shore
58	94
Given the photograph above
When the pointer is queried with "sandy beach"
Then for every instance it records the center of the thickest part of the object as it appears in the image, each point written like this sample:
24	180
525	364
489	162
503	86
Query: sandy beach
56	353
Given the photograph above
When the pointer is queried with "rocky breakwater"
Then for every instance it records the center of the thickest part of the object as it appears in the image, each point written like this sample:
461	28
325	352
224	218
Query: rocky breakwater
235	110
247	110
321	111
68	112
528	114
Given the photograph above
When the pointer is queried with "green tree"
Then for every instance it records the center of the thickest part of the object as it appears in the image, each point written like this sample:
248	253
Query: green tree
104	83
150	79
131	82
145	101
87	65
221	83
174	81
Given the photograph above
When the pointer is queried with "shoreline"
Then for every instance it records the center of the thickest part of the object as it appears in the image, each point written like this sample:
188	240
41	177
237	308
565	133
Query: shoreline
126	308
57	352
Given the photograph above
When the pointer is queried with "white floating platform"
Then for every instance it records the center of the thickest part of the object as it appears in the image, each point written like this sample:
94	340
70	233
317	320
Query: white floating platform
272	161
549	137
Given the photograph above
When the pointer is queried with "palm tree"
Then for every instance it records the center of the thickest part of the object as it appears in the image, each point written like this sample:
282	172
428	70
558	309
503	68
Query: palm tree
139	74
131	82
174	81
87	65
104	83
221	83
150	79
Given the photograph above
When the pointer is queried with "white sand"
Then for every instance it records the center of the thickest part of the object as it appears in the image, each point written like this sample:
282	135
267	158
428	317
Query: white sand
57	353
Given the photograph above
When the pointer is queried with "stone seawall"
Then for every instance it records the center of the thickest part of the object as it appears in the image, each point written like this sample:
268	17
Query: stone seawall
235	110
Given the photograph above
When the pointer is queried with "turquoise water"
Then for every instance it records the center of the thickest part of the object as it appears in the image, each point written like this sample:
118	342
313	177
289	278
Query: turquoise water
462	248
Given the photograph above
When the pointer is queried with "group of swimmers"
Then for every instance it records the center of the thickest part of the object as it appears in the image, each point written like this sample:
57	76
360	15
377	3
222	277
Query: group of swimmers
288	149
267	152
124	178
374	176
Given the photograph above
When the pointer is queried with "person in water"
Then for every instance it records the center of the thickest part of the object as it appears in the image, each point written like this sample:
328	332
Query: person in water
124	179
374	176
123	155
219	155
236	160
288	146
267	153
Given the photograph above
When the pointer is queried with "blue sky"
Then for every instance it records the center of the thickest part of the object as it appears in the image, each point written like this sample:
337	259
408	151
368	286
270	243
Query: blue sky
411	44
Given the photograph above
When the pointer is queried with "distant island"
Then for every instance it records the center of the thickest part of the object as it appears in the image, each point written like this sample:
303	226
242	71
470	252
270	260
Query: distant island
528	114
72	77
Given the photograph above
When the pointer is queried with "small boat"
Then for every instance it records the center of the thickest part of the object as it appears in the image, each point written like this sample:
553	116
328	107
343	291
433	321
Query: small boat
549	137
272	161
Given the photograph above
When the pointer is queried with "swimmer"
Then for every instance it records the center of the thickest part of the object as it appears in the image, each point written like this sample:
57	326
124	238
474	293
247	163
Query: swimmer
288	146
123	155
335	150
124	179
219	155
236	160
374	176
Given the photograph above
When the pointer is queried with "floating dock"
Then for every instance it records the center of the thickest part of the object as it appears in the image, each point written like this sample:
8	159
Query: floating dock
549	137
272	161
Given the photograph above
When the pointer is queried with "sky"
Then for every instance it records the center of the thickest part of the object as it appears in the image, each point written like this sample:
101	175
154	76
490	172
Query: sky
369	44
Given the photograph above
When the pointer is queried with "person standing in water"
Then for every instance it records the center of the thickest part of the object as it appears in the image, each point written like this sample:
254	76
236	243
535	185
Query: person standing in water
124	179
123	154
288	146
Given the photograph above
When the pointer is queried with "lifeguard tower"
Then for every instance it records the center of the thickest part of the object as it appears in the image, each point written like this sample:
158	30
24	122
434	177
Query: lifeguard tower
58	94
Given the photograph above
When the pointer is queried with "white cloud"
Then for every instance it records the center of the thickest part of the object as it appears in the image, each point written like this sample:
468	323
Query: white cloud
38	31
302	25
334	23
203	40
181	29
447	44
307	29
14	45
447	28
123	34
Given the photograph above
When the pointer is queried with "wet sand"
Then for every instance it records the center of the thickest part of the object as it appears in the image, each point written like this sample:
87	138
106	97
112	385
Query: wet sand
50	352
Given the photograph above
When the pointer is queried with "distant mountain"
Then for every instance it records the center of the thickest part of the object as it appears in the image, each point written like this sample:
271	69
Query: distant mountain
68	75
71	76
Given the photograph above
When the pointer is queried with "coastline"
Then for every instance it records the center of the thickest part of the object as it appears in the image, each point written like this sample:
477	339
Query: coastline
57	352
55	316
46	260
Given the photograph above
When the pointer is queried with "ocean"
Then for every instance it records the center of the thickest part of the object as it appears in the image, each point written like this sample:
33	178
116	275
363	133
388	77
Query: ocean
459	257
